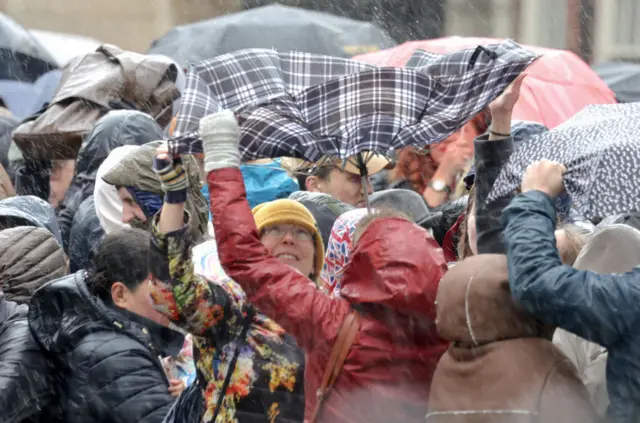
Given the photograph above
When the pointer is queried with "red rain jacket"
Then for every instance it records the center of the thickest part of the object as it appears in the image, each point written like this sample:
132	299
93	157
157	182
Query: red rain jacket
392	277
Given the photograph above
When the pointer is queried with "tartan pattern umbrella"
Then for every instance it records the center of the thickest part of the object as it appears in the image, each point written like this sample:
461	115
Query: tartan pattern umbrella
310	107
601	150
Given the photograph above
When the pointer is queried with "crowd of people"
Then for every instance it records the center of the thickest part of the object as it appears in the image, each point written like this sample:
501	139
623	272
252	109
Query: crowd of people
140	286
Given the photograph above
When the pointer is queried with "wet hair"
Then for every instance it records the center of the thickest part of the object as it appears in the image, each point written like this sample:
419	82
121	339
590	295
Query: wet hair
384	213
321	172
464	247
576	238
122	256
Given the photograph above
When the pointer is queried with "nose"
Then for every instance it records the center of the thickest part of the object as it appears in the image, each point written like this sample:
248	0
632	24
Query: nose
127	213
288	238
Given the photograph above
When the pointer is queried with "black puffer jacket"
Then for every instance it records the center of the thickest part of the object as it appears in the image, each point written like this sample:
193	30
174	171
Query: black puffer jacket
108	358
115	129
25	373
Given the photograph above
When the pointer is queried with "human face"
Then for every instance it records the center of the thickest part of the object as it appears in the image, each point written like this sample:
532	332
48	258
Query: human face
130	209
62	172
137	301
292	245
344	186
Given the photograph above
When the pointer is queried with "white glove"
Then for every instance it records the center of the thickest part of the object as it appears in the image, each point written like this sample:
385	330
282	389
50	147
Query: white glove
220	136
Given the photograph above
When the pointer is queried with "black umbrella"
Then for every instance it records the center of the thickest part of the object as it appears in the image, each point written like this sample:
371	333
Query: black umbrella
275	26
600	148
623	78
22	58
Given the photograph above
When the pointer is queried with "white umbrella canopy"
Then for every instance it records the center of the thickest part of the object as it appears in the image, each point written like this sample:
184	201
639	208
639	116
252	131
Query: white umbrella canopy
63	47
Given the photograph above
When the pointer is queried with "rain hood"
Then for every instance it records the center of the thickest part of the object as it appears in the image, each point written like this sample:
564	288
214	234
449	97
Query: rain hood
115	129
29	257
395	264
475	307
136	170
29	210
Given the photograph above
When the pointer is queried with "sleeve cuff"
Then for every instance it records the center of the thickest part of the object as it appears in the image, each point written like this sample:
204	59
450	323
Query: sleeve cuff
493	153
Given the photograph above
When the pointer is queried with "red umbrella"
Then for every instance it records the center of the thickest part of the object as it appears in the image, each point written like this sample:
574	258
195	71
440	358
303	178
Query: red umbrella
558	85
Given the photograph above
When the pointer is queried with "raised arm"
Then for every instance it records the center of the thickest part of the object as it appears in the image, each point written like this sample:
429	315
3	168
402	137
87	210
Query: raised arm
276	289
599	308
189	300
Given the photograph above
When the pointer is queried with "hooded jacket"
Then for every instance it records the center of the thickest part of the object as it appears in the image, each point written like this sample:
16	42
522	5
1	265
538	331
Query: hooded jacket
614	249
391	279
136	170
108	204
26	385
86	234
29	210
29	257
501	366
115	129
107	357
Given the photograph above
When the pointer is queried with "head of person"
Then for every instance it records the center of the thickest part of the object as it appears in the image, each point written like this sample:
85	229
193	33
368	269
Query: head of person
118	274
342	179
290	233
339	248
29	257
140	190
60	178
569	238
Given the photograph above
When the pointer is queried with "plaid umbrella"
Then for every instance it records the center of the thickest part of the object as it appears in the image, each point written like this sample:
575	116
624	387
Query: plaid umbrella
308	106
600	148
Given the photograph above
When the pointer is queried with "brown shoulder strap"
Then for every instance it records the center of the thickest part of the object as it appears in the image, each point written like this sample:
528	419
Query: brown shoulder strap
347	335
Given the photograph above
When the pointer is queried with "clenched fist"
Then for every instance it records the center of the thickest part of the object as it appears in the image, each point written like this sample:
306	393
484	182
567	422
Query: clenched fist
545	176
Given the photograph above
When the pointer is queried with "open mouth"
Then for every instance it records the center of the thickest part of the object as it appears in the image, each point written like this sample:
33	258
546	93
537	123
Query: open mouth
287	257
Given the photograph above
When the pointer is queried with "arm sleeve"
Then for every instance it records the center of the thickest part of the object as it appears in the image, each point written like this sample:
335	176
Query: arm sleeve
26	386
598	308
277	290
490	157
117	381
190	301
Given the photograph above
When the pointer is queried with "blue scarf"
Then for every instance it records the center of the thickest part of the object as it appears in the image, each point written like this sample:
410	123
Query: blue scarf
149	202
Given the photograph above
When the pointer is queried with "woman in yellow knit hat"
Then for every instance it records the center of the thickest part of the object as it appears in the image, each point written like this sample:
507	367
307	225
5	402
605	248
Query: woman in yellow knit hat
289	232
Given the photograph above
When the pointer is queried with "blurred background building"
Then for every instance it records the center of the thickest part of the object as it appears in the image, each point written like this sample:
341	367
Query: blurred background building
598	30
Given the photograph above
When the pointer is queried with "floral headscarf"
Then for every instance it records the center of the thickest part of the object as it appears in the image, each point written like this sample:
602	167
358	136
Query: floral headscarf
339	249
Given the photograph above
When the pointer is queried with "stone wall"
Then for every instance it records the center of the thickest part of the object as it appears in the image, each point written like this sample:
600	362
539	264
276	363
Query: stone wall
129	24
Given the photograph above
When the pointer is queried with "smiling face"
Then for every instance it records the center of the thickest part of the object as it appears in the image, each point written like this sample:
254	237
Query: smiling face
291	244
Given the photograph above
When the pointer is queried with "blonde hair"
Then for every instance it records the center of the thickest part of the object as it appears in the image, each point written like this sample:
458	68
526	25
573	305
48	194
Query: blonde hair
384	213
576	239
464	247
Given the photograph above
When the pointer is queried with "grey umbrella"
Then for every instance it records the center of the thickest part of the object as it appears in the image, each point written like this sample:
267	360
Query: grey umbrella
22	58
623	78
275	26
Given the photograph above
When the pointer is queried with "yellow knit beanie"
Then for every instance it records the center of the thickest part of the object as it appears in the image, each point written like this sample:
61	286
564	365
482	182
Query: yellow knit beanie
291	212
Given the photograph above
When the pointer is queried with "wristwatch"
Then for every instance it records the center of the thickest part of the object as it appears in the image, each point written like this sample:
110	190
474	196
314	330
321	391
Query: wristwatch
439	185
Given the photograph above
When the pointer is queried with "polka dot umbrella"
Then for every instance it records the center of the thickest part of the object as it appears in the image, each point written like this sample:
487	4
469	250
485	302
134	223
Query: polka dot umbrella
600	147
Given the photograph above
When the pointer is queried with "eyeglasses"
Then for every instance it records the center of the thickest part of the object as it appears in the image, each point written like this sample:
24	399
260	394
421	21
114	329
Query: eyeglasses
279	231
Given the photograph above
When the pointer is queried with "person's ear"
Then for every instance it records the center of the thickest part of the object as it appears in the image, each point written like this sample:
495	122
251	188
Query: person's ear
119	294
312	183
